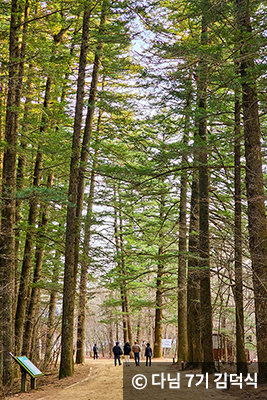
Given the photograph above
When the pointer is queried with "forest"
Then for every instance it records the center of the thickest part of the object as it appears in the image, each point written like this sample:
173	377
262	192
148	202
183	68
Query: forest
133	165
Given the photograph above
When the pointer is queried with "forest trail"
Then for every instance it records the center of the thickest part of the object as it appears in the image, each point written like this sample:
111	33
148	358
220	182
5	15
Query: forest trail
100	380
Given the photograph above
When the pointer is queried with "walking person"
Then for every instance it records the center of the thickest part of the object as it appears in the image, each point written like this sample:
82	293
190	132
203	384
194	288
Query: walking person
136	350
148	354
127	352
95	350
117	351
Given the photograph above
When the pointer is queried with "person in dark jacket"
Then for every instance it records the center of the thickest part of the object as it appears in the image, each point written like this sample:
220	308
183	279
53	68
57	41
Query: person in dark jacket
148	354
127	351
117	351
95	350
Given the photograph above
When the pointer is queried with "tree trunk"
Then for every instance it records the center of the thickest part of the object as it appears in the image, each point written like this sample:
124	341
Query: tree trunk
35	292
195	356
124	321
29	243
124	274
22	156
119	240
80	354
128	318
111	341
240	344
159	305
70	272
22	54
51	314
88	127
138	331
159	290
122	291
7	239
204	245
182	265
254	184
22	162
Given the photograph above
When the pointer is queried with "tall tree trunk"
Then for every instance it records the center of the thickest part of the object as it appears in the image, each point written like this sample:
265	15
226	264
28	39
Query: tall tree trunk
80	354
119	240
35	292
138	331
204	245
7	239
254	184
22	54
240	343
159	295
159	305
122	288
124	275
159	288
182	264
22	156
22	162
70	271
88	127
128	317
124	321
2	128
51	313
111	341
195	356
29	243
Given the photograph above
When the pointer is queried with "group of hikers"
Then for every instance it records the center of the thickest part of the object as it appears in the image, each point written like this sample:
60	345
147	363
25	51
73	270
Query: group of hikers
117	351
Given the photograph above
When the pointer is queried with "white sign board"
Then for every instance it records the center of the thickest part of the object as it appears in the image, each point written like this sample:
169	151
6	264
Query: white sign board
166	343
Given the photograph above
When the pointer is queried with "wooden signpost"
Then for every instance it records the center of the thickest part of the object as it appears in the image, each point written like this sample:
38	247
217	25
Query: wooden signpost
27	367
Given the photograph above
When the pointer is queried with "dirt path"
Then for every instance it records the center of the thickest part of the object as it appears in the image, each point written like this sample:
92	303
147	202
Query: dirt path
100	380
103	381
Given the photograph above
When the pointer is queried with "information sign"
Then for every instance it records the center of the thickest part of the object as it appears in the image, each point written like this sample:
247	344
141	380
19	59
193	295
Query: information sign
27	367
32	370
166	343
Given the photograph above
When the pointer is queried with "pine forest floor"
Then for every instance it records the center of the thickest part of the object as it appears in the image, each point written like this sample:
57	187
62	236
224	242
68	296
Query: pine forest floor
100	380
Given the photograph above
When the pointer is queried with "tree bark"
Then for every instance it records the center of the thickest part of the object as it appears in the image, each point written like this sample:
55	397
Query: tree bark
22	162
182	275
254	184
182	260
80	354
51	313
122	289
195	356
22	156
128	318
204	245
124	275
70	271
88	127
124	321
138	330
159	312
7	239
159	288
29	243
35	292
240	343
